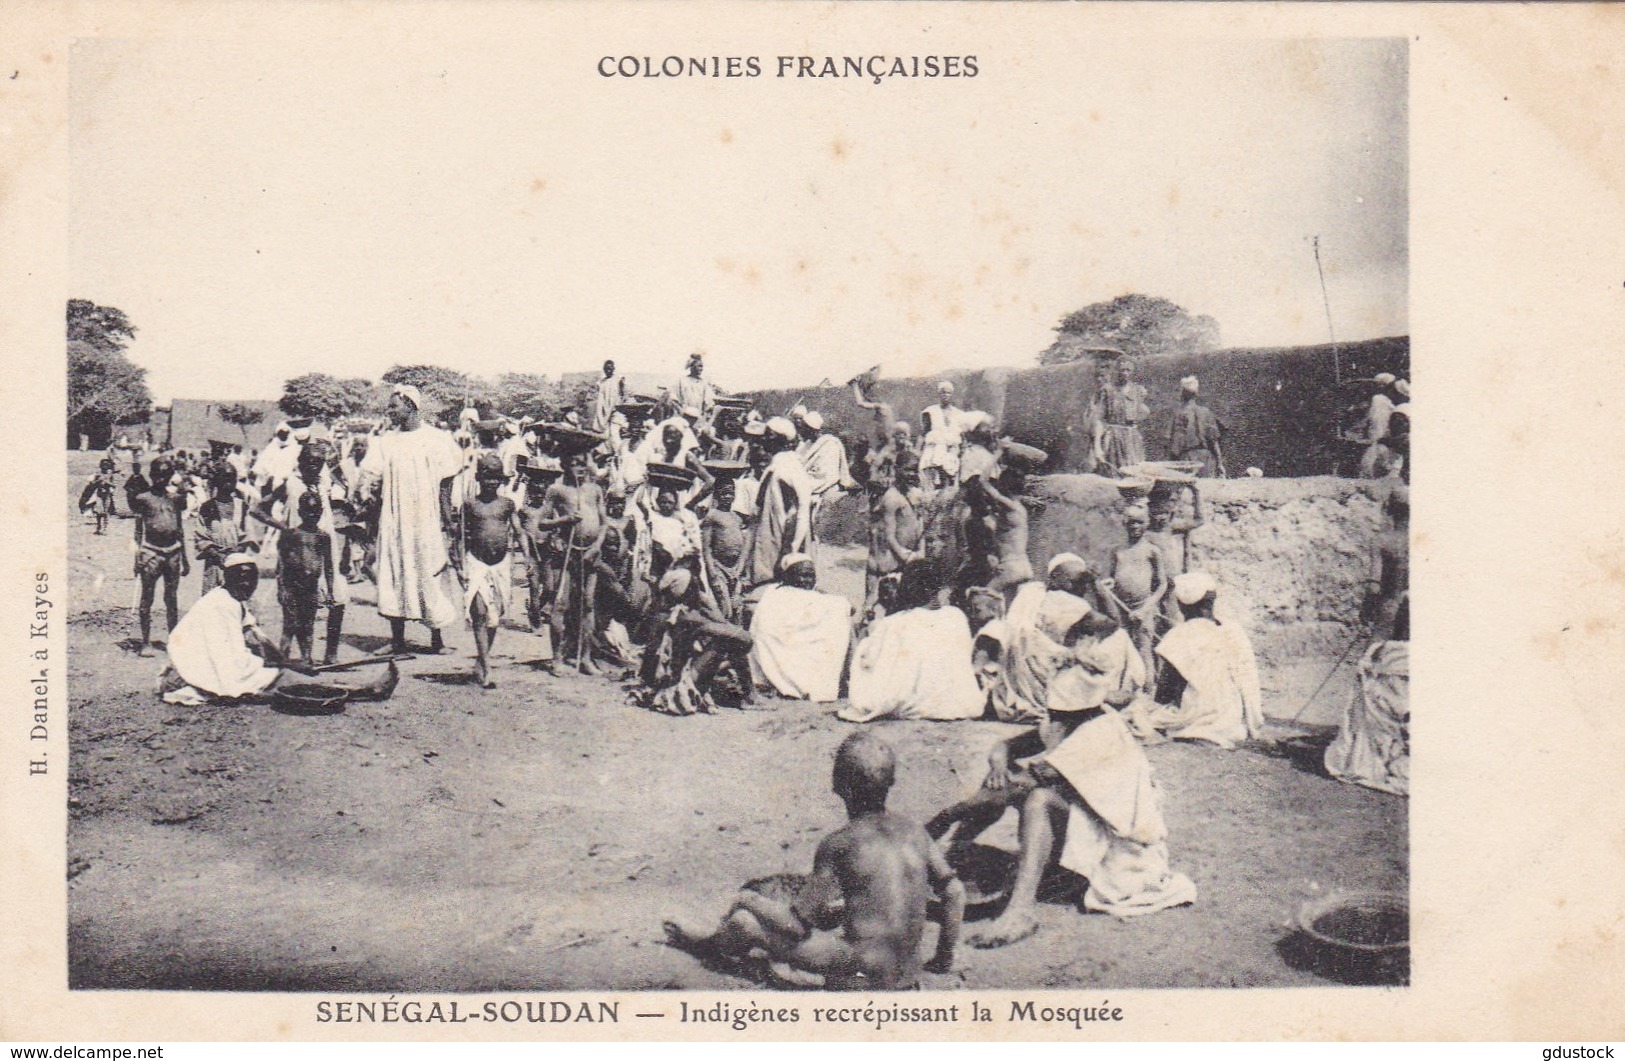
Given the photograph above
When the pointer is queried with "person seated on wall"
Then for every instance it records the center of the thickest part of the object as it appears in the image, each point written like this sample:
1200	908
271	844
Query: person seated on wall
1209	689
216	652
801	635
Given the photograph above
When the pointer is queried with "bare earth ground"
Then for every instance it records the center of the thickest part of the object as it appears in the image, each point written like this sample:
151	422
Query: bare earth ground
532	837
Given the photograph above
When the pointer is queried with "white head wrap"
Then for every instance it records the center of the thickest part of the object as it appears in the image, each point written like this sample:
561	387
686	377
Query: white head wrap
946	385
410	393
799	412
1403	386
814	420
780	426
792	559
1192	384
282	428
239	560
1385	379
1192	586
1062	559
676	581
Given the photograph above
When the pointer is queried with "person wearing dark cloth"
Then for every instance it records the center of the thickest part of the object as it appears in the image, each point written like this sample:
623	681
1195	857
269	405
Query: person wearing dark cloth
135	486
160	548
98	495
1196	433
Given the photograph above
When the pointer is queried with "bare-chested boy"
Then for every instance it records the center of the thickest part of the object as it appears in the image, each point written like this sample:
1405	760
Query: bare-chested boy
895	528
487	520
219	532
997	511
1140	581
1170	532
872	879
573	509
160	548
1390	561
722	546
98	495
304	567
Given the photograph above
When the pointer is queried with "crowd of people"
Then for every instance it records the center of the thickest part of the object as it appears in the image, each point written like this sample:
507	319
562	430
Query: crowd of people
673	542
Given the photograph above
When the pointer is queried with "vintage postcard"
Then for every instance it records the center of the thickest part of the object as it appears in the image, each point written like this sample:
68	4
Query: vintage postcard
811	521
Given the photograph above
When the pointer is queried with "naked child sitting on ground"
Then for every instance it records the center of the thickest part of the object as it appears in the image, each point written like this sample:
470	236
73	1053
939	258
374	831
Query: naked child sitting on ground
858	920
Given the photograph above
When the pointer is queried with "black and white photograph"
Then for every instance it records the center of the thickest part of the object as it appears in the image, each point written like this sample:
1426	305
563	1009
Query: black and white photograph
803	521
816	565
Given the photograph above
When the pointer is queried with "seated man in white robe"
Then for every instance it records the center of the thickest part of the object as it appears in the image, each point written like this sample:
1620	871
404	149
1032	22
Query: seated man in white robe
915	662
1079	778
212	649
1210	691
1033	633
1373	746
800	635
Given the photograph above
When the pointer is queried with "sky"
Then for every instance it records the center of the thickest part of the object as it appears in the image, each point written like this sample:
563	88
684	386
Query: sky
269	206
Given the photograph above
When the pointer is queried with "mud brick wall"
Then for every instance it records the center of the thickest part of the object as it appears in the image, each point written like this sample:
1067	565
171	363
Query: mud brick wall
1280	405
1291	555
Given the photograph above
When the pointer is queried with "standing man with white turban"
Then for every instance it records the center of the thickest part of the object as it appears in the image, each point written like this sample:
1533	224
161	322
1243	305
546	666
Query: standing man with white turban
942	425
415	467
694	389
1196	432
783	506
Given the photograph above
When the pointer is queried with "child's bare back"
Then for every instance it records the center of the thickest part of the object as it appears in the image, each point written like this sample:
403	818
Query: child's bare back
883	867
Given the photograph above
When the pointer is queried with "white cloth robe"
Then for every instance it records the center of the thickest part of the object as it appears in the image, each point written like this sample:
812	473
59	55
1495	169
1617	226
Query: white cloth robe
209	650
799	642
413	565
915	664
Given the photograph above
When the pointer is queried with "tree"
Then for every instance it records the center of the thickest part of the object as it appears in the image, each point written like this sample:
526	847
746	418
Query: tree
103	328
324	397
443	388
1138	325
105	388
241	416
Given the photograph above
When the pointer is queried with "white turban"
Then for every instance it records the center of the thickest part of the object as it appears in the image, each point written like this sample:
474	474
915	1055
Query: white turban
799	412
302	434
1385	379
1192	586
282	428
946	385
780	426
814	420
792	559
240	560
410	393
1063	559
1403	386
1191	383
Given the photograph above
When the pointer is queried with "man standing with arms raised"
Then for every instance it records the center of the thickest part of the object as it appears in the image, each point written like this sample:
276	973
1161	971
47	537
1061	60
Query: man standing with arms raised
415	466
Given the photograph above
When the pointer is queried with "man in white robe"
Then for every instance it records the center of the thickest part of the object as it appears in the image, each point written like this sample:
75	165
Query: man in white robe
1033	635
414	466
611	392
800	636
211	653
1210	691
783	507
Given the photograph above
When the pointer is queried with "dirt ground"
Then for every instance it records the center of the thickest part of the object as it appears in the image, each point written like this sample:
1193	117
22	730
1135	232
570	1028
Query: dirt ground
532	837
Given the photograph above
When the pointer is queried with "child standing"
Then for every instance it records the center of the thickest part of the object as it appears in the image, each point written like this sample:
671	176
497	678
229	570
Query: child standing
304	564
488	518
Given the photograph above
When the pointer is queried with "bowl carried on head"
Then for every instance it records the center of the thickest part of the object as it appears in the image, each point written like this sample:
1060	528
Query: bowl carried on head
670	476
